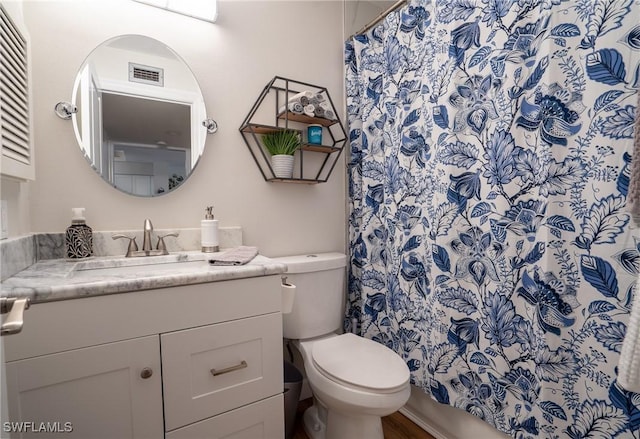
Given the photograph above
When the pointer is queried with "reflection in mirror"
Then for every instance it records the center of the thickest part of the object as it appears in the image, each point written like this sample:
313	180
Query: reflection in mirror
139	115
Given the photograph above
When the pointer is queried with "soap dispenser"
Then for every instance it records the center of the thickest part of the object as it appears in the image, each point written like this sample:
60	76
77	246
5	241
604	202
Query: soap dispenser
79	237
209	232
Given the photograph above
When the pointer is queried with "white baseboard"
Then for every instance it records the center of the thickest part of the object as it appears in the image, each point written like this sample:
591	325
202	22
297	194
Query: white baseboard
444	421
420	422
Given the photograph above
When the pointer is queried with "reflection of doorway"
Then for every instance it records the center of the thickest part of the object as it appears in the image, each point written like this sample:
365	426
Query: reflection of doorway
134	184
147	142
137	120
147	170
89	119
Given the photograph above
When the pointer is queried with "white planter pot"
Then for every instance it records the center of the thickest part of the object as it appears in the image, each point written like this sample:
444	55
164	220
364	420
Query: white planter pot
282	165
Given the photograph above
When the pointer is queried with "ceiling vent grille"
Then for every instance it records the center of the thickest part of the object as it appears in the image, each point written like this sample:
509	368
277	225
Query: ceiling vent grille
146	74
14	92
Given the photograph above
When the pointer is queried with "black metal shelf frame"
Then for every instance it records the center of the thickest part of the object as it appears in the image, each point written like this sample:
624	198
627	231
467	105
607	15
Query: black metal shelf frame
281	90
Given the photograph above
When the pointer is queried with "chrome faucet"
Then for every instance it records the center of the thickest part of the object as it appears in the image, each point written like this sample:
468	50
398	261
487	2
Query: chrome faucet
146	242
147	248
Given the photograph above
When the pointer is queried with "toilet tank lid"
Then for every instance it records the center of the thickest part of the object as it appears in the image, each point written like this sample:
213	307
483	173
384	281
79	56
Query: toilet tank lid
313	262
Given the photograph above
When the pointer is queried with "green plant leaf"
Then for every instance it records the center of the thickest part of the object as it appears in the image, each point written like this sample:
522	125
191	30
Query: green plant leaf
284	142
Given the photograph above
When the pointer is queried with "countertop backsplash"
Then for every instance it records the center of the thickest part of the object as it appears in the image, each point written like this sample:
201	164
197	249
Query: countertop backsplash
19	253
16	254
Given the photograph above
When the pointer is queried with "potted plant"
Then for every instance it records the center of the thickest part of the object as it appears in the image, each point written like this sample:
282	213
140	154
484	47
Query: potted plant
282	145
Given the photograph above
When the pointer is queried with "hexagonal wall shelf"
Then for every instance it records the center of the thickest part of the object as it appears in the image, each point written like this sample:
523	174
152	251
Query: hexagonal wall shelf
285	104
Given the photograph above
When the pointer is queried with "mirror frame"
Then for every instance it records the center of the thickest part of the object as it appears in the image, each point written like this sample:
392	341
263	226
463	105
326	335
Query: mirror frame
200	125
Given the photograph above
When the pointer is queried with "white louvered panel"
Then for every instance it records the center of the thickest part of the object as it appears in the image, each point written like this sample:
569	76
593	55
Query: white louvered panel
16	73
18	84
18	121
14	92
13	146
14	41
17	56
14	98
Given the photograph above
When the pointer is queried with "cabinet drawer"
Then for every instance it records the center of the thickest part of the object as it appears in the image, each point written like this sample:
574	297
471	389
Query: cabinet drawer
260	420
217	368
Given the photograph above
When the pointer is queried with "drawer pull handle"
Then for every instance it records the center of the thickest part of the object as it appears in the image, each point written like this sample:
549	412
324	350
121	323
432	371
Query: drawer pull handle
146	373
242	365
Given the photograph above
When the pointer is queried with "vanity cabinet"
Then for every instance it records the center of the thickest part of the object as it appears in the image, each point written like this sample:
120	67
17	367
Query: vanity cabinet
196	361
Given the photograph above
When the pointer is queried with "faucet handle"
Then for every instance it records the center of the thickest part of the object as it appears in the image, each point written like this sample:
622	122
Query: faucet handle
161	245
133	245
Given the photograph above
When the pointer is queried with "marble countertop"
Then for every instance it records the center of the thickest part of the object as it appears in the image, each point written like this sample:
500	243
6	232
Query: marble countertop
60	279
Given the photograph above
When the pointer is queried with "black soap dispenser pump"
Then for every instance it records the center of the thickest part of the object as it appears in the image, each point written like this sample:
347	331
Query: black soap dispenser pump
79	237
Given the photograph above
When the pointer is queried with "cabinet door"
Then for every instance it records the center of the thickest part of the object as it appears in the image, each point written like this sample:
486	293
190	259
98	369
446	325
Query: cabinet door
96	392
260	420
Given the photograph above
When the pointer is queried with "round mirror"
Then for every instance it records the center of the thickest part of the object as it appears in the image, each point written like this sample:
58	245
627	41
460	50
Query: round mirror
139	115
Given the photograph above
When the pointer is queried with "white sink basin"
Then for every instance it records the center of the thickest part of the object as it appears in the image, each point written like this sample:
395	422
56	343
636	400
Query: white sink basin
151	265
149	269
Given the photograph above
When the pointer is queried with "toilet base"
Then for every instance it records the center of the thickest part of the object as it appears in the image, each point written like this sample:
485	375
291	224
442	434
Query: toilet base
314	426
320	423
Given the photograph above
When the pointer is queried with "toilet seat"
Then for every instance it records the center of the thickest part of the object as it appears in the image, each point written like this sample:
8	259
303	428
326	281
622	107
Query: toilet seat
360	363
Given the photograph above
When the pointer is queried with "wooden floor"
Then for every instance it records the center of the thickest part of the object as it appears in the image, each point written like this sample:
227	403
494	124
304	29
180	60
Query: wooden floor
395	426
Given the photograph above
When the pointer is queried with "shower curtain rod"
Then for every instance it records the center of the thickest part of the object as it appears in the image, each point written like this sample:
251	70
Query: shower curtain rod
396	5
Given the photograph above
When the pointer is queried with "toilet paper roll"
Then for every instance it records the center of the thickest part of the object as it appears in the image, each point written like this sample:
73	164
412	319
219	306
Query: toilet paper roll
288	297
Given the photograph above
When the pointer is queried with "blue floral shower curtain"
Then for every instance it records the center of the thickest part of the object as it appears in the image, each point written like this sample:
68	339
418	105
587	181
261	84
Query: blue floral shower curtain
490	149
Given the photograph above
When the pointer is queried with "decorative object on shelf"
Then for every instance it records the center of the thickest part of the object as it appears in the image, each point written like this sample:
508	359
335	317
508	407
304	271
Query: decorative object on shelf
282	165
310	104
314	134
298	105
282	145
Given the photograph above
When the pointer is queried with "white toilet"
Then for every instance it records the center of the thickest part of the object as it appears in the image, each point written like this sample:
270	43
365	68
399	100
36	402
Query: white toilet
355	381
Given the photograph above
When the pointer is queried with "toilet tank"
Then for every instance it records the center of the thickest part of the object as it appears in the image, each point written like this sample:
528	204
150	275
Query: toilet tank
318	305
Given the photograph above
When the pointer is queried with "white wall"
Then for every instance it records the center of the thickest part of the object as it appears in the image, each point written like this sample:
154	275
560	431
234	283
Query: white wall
233	60
359	13
16	194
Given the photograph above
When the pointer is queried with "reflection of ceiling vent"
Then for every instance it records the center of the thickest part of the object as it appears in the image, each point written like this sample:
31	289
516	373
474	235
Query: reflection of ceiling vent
146	74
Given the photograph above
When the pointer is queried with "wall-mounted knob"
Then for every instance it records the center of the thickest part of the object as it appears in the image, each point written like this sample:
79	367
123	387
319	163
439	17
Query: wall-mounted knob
146	373
64	110
211	125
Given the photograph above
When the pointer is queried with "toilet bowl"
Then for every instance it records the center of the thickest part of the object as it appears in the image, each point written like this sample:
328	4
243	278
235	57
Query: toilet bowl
353	391
355	381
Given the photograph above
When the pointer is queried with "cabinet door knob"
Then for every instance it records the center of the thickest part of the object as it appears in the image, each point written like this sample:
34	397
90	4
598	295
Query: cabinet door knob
146	373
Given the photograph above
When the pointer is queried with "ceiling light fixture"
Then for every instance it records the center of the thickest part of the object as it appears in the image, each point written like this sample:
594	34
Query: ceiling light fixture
206	10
